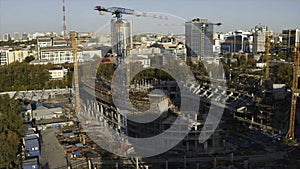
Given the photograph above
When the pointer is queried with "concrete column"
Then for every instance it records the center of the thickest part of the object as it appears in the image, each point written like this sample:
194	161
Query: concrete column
187	145
215	162
167	164
184	162
137	163
231	158
205	145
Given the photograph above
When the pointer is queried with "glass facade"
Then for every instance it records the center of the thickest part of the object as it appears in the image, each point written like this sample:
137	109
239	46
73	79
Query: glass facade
194	37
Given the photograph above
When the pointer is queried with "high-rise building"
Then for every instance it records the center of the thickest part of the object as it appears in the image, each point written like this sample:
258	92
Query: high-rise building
121	37
25	37
290	39
199	39
16	36
6	37
259	39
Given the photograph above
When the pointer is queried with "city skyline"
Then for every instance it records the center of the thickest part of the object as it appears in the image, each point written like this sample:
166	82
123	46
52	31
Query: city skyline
46	16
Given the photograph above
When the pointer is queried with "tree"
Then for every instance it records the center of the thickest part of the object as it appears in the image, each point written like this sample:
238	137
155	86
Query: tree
11	129
29	59
284	74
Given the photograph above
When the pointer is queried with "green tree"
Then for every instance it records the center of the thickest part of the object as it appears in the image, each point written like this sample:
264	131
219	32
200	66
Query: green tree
29	59
284	74
11	129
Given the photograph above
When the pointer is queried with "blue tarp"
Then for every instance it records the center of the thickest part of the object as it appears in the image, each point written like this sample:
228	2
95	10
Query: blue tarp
77	153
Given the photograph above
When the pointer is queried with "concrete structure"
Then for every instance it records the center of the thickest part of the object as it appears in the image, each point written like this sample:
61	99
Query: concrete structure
58	73
25	37
8	56
39	62
259	39
193	38
121	37
57	55
16	37
290	39
17	56
55	49
6	37
4	55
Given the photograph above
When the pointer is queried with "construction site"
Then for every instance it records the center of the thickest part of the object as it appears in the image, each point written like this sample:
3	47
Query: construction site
250	122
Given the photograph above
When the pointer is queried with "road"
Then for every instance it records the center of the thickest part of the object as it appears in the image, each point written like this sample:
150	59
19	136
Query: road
52	153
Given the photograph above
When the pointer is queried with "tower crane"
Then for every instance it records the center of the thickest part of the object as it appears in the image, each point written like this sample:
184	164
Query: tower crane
122	46
119	11
291	131
203	24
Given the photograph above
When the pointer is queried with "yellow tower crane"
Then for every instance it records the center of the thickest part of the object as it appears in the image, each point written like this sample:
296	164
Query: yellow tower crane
291	131
267	52
76	80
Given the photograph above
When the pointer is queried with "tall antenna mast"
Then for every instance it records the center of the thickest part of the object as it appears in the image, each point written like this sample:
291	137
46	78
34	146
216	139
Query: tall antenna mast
64	19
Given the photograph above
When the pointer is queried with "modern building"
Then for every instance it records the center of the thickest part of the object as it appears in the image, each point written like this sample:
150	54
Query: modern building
121	37
238	41
55	50
259	39
25	37
196	32
6	37
290	39
16	36
57	55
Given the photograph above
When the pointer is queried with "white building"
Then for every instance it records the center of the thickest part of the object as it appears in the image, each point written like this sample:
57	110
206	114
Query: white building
6	37
58	73
259	39
17	56
4	57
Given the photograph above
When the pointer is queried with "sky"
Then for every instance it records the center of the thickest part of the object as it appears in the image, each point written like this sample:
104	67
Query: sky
46	15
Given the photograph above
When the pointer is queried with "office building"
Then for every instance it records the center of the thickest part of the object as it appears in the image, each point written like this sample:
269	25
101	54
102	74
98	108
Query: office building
290	39
199	39
259	39
238	41
6	37
16	36
121	37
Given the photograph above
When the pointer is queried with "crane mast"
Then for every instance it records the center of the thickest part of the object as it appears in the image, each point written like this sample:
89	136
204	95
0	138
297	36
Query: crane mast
76	80
291	131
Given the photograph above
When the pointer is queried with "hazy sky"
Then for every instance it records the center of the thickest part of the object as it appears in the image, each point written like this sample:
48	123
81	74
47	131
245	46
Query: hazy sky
46	15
